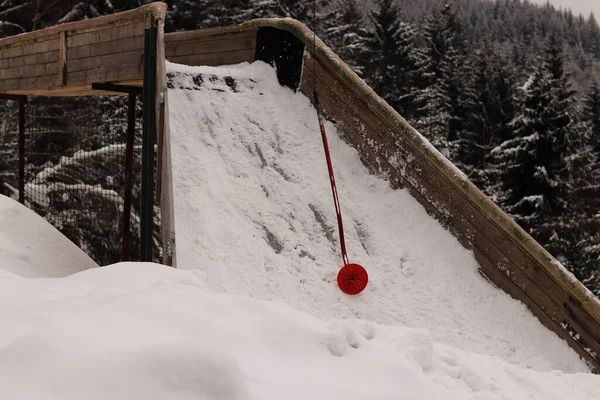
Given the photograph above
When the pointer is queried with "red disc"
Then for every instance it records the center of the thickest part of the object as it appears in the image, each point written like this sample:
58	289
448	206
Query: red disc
352	279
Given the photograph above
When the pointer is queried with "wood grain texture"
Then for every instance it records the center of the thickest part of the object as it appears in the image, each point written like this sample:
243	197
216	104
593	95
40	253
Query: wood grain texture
43	45
207	35
104	48
108	34
114	60
213	59
242	42
33	59
147	13
106	74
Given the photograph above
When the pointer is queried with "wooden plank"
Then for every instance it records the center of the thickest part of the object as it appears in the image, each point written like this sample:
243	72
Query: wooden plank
109	60
104	48
28	71
117	24
477	238
107	74
62	63
49	44
213	59
111	33
205	35
36	82
150	13
212	46
66	91
33	59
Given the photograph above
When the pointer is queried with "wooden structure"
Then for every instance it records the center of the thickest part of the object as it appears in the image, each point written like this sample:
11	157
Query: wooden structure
75	58
111	55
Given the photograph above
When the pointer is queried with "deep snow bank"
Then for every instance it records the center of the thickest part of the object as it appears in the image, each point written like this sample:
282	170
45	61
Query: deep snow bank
253	211
31	247
143	331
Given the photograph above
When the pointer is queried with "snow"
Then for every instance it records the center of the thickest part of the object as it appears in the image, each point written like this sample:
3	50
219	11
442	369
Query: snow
253	209
253	311
145	331
32	248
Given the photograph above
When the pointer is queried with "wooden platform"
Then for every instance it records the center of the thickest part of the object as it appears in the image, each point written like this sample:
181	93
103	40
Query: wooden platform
67	60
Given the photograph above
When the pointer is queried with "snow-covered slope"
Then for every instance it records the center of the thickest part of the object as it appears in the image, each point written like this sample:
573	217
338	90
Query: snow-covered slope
32	248
253	210
253	312
144	331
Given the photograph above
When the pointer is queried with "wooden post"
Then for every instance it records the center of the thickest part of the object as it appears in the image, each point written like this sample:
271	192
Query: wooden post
22	101
126	237
148	141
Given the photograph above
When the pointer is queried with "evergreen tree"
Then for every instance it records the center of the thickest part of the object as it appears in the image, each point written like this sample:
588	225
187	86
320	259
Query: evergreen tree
536	183
388	59
301	10
345	32
592	115
485	121
590	35
437	82
202	14
87	9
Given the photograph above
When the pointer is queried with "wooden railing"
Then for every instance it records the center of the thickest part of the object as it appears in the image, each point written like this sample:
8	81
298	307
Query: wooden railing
66	59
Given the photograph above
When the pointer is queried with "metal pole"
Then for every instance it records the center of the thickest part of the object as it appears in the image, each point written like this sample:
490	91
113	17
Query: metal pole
126	237
22	101
148	140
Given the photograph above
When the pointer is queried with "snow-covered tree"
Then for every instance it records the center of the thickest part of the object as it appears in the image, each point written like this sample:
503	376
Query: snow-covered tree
202	14
536	178
489	106
592	114
388	59
345	32
438	62
301	10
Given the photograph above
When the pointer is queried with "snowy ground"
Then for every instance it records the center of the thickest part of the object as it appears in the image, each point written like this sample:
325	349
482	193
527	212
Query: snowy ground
32	248
253	313
144	331
252	196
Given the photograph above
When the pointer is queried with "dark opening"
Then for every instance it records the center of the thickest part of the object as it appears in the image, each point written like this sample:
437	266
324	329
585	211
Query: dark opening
282	50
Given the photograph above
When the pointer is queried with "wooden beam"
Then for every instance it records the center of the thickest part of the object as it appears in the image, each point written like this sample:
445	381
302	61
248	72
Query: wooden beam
211	46
126	235
22	102
108	34
62	60
111	87
13	97
213	59
114	60
104	48
153	11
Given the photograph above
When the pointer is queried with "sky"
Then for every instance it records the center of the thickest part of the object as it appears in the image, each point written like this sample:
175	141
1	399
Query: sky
577	6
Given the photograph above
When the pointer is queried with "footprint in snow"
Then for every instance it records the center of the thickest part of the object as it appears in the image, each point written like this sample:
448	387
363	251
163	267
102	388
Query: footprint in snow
343	336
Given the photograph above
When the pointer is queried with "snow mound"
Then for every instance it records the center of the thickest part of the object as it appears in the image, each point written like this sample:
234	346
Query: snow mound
254	212
31	247
143	331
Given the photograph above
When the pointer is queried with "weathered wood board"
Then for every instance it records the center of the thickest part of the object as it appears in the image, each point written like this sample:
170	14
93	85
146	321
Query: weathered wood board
196	48
69	58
